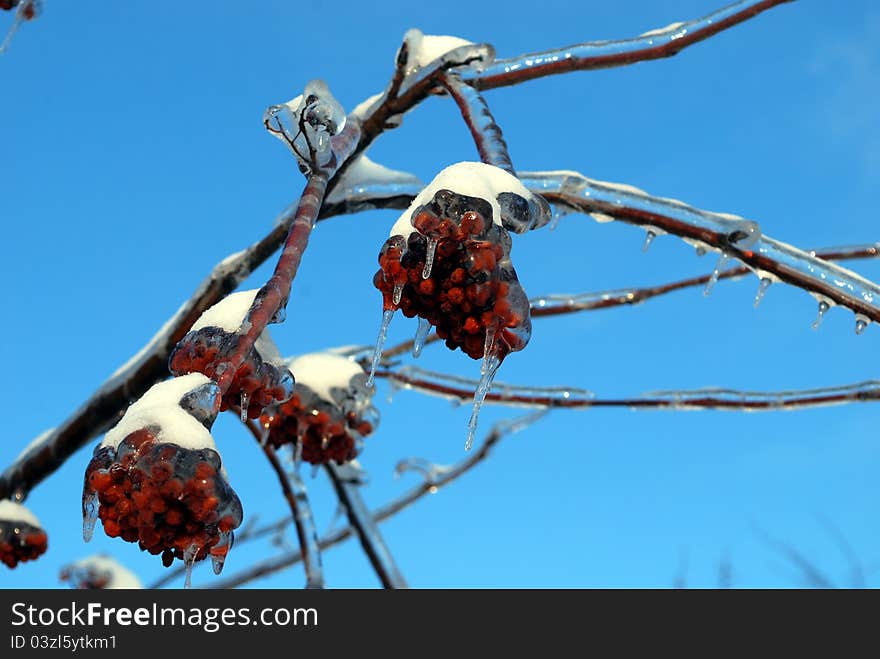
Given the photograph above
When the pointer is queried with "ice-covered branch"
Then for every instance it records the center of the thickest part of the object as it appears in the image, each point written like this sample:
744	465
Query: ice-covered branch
732	236
442	478
360	518
294	491
476	114
462	389
655	44
552	305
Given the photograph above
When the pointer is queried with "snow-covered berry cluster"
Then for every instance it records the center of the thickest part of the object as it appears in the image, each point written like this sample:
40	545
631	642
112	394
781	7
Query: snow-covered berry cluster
99	572
261	380
22	538
447	259
158	480
329	413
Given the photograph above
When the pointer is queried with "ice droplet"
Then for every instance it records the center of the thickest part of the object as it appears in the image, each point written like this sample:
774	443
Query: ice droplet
387	315
279	316
558	213
649	238
90	515
189	559
217	560
245	398
716	272
823	309
421	336
217	563
430	251
398	292
700	250
861	323
488	369
762	290
315	470
298	454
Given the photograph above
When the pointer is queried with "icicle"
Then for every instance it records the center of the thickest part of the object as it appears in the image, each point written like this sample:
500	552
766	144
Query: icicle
649	238
189	559
861	323
558	213
217	563
315	470
279	316
398	292
387	315
430	251
245	398
90	515
716	272
762	290
823	309
421	336
488	368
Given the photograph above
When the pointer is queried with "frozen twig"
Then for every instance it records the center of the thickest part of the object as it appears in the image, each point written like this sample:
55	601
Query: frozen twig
732	236
654	44
294	491
444	477
462	389
476	114
360	518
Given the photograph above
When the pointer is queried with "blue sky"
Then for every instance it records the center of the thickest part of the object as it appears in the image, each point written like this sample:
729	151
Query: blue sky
132	159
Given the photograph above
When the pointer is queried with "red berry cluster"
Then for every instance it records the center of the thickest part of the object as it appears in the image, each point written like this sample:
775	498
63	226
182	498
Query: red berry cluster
21	542
170	500
257	383
86	579
323	430
470	289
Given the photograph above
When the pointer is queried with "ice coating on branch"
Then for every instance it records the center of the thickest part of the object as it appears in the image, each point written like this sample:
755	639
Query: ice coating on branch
425	48
22	538
512	205
162	407
99	572
672	27
25	10
365	179
306	124
229	314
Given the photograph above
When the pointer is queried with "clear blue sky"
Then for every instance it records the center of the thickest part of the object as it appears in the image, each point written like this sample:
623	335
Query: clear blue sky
132	159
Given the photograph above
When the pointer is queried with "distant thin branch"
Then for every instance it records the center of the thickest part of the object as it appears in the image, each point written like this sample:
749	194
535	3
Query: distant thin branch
811	575
655	44
428	486
364	525
462	389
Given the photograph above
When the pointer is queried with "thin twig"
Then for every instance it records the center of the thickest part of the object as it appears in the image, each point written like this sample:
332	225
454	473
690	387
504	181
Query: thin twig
462	389
294	491
655	44
365	526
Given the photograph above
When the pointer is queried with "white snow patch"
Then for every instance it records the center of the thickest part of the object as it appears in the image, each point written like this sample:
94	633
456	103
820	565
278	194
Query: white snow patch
661	30
160	406
425	48
229	314
10	511
473	179
323	371
365	107
120	576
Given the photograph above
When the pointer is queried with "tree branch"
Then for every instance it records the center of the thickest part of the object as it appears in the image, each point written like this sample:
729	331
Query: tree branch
655	44
364	525
442	478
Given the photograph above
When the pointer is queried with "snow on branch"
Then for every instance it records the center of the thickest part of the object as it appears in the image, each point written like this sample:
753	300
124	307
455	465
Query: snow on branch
462	389
441	477
654	44
732	236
